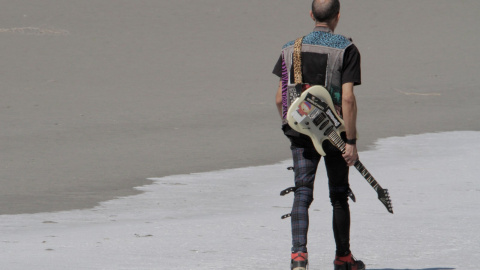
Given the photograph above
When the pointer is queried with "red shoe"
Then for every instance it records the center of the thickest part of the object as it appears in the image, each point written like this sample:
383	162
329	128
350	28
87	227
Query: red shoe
299	261
348	263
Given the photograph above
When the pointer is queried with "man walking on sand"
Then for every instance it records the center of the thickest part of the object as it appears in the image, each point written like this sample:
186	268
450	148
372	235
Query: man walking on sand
332	61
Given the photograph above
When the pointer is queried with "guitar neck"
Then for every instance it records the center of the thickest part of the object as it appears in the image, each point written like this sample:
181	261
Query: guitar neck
340	144
366	174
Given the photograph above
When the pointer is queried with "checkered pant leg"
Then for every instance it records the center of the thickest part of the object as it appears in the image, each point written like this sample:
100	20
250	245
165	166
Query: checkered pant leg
305	163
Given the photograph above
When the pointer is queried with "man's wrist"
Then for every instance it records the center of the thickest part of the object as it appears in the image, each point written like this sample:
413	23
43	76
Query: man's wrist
351	141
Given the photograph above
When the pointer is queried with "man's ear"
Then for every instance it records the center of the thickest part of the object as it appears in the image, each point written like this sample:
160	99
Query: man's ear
311	16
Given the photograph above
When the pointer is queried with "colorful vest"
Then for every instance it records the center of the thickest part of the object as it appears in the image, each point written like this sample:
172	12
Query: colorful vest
322	62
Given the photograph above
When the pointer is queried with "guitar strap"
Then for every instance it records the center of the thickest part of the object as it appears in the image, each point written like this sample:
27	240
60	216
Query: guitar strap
295	90
297	61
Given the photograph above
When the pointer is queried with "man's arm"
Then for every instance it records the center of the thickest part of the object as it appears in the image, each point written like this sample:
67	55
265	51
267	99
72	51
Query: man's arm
349	110
278	99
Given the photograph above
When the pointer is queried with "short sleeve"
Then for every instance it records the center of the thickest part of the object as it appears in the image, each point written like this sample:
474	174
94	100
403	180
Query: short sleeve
351	66
277	70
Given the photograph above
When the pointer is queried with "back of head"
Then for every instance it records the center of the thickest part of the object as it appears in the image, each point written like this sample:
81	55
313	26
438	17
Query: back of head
325	10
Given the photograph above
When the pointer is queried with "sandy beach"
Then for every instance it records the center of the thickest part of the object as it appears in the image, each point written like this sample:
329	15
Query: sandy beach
230	218
98	96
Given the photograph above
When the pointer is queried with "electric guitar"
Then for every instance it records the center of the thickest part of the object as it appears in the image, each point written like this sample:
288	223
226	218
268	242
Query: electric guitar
314	115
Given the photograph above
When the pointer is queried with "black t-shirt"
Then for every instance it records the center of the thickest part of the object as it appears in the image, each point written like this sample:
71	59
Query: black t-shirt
351	71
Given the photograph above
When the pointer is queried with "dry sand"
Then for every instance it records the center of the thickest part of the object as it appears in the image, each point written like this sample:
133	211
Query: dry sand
97	96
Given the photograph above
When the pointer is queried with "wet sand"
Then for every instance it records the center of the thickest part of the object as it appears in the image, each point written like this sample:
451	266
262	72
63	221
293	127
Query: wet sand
98	96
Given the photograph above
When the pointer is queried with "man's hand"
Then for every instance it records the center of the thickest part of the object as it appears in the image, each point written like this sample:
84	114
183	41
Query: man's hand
350	155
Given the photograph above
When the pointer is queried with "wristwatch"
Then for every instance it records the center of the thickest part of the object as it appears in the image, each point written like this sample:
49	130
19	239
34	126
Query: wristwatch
351	141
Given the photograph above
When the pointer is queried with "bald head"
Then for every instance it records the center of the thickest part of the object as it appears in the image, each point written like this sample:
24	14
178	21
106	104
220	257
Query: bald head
325	10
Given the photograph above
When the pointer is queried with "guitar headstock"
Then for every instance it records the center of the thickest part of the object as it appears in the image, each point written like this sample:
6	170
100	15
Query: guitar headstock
384	197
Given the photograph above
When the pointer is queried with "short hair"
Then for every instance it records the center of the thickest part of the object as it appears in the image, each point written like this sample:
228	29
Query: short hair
325	11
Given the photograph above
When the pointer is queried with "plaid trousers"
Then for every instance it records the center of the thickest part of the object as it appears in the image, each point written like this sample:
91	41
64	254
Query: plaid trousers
306	161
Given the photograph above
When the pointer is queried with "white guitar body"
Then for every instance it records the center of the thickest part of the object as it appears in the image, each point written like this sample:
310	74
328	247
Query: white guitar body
313	114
